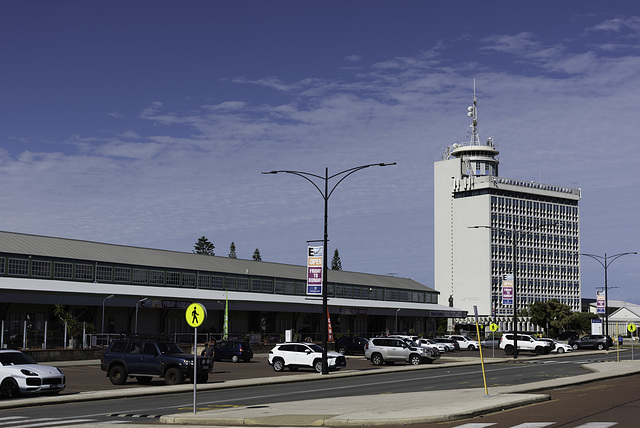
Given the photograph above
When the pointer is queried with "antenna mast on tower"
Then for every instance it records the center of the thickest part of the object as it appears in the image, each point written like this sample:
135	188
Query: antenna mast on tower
473	113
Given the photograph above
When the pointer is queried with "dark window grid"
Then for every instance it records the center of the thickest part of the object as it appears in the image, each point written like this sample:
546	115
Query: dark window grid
121	274
63	270
189	280
230	283
204	281
41	268
243	284
156	277
140	276
256	285
84	272
104	273
173	279
217	282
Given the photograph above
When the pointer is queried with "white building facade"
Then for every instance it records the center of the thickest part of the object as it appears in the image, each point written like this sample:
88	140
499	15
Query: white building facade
480	218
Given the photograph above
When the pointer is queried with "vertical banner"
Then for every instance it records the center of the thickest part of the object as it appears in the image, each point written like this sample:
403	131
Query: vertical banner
329	328
225	329
600	302
314	271
507	289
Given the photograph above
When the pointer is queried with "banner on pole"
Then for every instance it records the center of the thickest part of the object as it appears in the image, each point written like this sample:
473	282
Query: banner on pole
507	289
600	302
329	328
314	270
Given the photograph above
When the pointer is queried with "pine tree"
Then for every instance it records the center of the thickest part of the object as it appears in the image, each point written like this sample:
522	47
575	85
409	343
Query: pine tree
232	251
256	255
336	264
203	246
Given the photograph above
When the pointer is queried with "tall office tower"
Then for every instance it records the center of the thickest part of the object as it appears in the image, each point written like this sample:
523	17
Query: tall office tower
480	218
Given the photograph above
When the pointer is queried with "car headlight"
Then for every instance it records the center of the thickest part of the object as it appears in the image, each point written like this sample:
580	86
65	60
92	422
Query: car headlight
28	372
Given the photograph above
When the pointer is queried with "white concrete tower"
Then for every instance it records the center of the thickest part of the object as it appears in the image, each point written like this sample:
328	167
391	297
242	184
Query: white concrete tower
470	262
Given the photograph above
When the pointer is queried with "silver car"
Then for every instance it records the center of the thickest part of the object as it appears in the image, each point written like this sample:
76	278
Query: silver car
20	375
389	350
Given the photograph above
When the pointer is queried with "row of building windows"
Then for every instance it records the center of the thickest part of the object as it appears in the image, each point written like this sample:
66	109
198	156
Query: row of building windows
25	267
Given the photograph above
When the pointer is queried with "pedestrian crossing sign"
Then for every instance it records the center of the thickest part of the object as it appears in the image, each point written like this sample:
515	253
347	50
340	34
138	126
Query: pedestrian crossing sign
195	314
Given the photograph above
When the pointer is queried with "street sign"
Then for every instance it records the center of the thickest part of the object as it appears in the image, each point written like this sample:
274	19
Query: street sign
493	327
631	328
195	314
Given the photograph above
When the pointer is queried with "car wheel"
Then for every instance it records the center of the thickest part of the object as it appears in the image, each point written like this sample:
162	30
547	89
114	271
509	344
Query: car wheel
318	366
9	388
600	346
471	348
377	360
539	350
342	350
235	359
278	364
575	346
415	359
508	349
560	350
144	380
173	376
117	375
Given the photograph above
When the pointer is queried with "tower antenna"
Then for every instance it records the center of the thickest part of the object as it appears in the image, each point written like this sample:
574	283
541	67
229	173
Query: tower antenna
473	114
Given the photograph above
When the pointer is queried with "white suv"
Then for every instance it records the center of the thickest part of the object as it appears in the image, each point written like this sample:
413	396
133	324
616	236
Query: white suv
296	355
464	342
525	343
389	350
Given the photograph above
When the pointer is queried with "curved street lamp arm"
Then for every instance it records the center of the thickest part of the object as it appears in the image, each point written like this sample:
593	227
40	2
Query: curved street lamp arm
351	171
303	175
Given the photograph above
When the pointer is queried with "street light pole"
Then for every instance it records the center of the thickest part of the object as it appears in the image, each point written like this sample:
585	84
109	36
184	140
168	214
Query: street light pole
326	194
139	301
605	261
105	299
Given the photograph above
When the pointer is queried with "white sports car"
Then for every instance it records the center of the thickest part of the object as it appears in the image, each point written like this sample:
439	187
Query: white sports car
19	374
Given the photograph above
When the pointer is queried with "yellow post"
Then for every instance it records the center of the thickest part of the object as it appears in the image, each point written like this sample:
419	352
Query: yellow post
484	378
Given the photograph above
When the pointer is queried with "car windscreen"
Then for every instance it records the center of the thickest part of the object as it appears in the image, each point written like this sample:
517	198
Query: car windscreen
14	359
170	348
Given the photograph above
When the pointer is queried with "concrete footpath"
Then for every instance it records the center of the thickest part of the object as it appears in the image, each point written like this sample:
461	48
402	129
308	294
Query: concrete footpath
368	410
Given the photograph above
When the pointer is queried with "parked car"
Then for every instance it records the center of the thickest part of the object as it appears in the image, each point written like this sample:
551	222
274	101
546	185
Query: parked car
20	375
297	355
491	343
525	343
144	359
453	345
592	341
464	342
350	345
428	343
566	335
389	350
234	350
558	347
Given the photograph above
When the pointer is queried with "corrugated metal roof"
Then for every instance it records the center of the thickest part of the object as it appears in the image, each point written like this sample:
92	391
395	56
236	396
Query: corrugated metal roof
46	246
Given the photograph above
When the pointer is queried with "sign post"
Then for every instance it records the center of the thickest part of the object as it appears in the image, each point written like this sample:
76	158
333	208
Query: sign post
632	329
484	378
195	316
493	327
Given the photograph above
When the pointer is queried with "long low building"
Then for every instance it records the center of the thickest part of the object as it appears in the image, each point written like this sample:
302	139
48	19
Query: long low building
123	289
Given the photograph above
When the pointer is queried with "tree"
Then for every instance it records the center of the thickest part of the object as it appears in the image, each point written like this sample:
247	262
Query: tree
203	246
581	321
551	314
336	264
256	256
232	251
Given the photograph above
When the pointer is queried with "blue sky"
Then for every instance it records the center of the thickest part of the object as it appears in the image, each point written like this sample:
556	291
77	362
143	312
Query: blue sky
147	123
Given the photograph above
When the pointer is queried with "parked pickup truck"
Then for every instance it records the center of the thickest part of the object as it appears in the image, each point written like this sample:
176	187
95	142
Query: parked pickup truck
144	359
525	343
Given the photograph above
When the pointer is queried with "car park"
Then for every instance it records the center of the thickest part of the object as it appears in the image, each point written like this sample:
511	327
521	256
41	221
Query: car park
234	350
389	350
592	341
525	343
558	347
145	359
302	355
464	342
350	345
21	375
